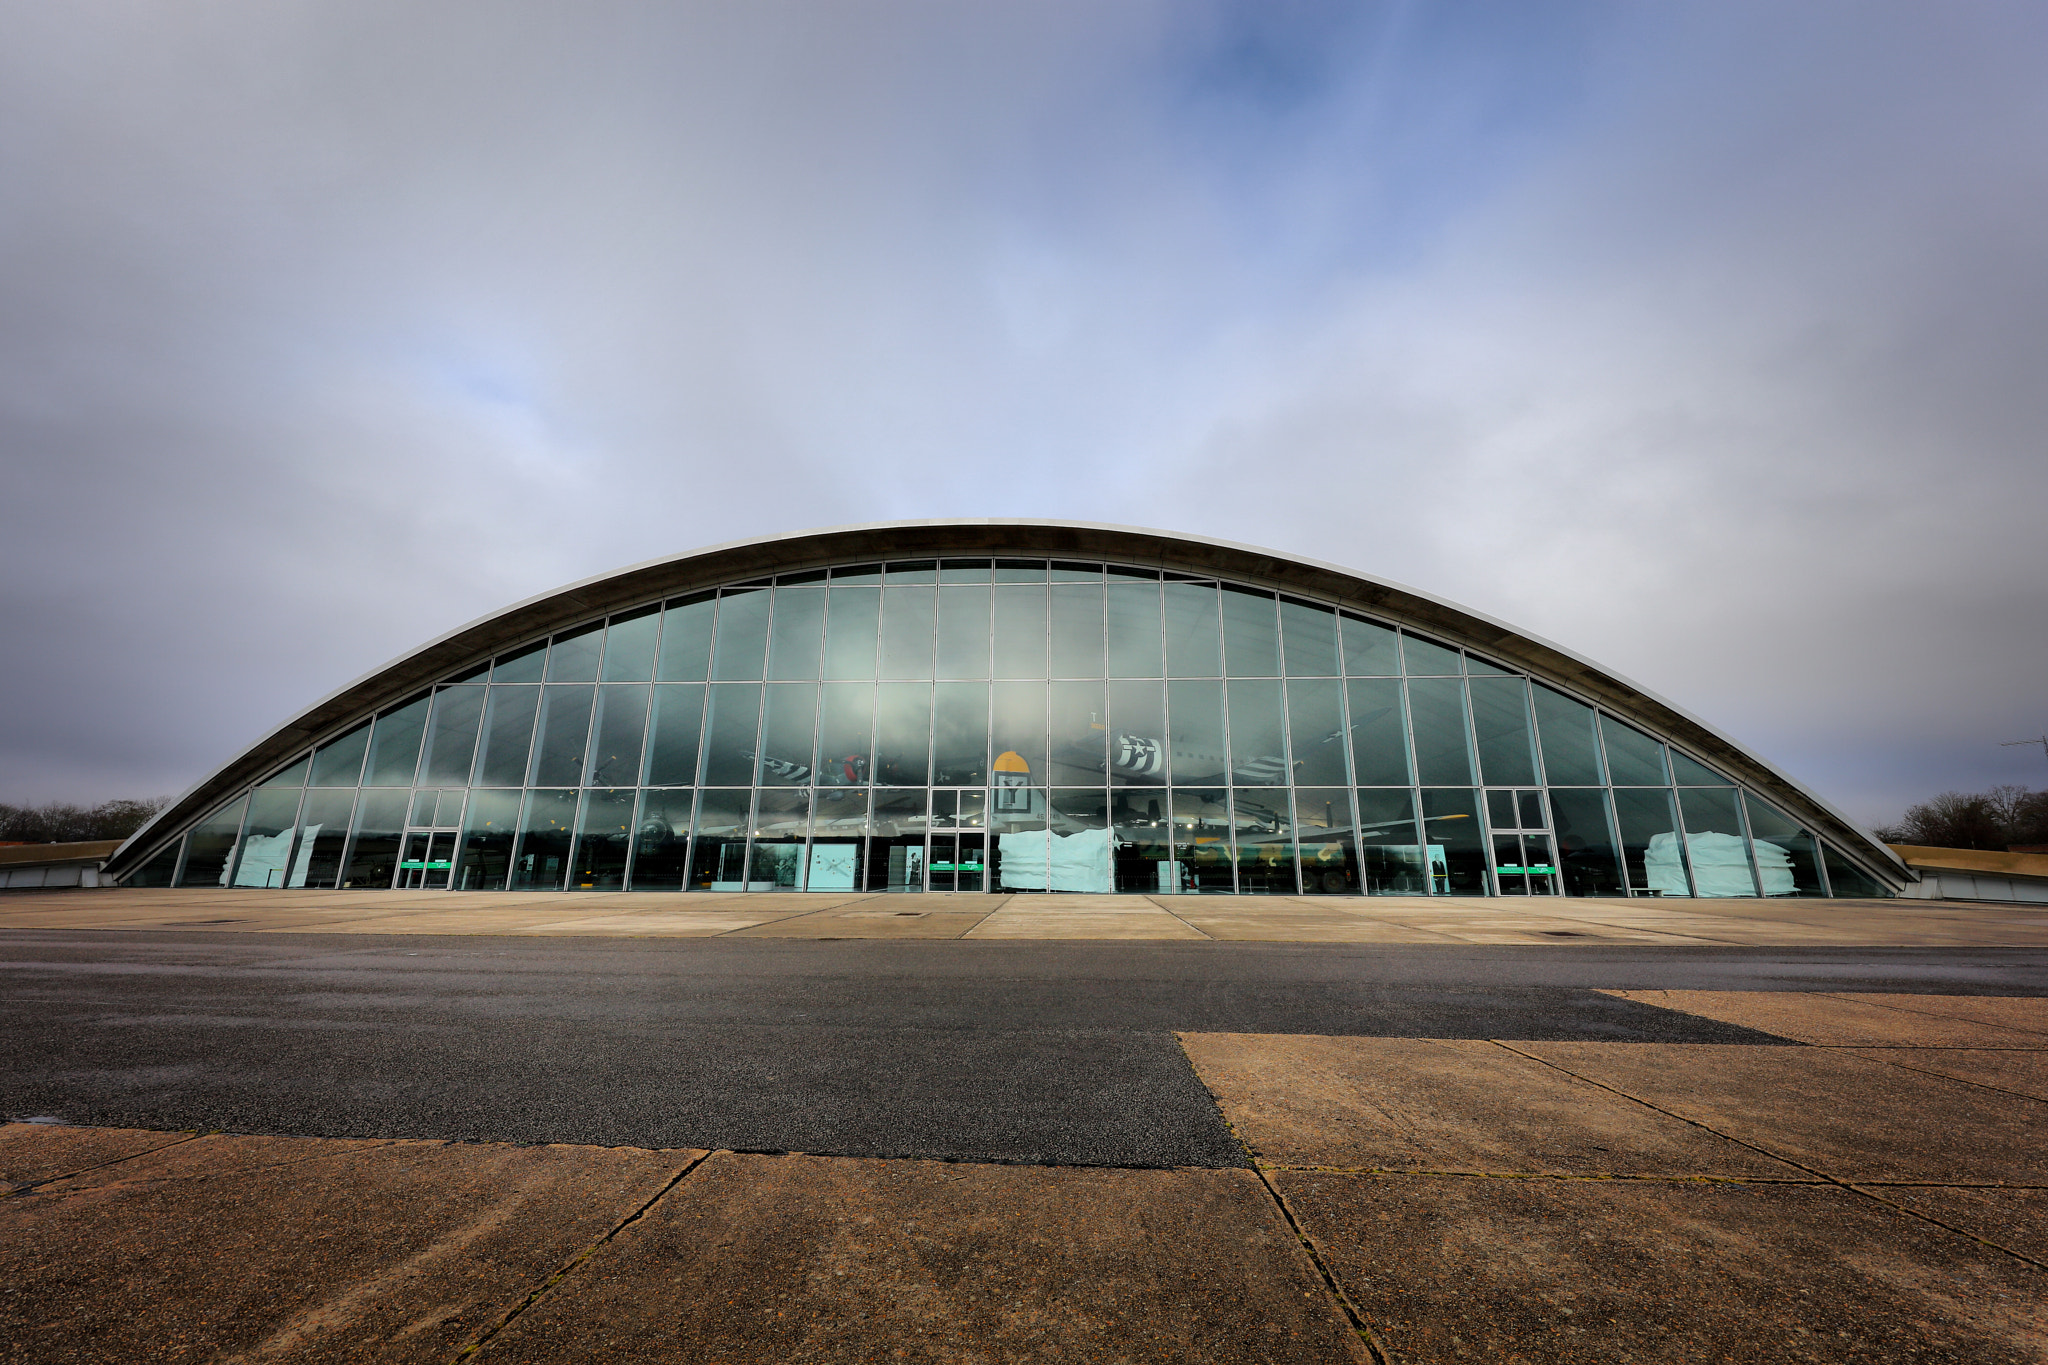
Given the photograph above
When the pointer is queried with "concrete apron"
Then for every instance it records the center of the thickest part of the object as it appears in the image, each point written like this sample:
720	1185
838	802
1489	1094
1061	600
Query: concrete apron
1869	1183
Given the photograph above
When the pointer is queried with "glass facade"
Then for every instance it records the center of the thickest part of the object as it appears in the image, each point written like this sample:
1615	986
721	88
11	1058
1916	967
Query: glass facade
1014	725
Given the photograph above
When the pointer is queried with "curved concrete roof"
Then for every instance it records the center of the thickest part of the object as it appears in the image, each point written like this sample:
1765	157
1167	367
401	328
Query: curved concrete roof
797	550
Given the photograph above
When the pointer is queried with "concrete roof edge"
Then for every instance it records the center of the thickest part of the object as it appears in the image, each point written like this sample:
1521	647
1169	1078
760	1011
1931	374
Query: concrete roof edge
600	593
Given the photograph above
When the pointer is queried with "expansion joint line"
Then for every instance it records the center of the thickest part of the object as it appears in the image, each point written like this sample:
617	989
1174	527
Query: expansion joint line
1836	1181
99	1166
1375	1348
570	1266
1177	915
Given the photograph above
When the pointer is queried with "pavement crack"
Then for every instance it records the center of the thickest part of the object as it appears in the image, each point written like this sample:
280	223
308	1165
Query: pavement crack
102	1165
1945	1076
575	1262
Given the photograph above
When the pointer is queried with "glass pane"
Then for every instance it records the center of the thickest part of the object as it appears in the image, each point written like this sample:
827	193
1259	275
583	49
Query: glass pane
1787	856
742	638
508	736
1194	640
1587	858
1370	650
788	734
1691	773
912	571
1265	843
1714	843
1137	734
1847	880
323	836
781	822
1486	668
620	734
395	745
661	841
1019	635
1633	758
1500	725
686	639
1077	631
339	762
574	656
373	852
963	571
846	722
1501	812
1197	755
1074	571
629	646
963	633
1442	753
1020	571
677	722
1016	734
896	846
1142	853
1428	659
522	665
602	840
718	858
451	737
1310	636
1315	725
294	776
1571	752
267	838
959	735
907	628
423	803
1379	733
867	574
1324	834
852	626
798	634
1251	633
1135	647
1201	842
1391	860
1018	849
1649	840
1258	747
1080	736
484	855
563	734
903	733
161	868
730	731
1457	844
1079	851
546	831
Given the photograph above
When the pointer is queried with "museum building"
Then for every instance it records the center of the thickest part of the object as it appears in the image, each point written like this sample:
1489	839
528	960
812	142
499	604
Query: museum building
1011	706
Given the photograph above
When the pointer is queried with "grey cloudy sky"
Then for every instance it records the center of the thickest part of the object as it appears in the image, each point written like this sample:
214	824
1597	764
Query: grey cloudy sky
1708	339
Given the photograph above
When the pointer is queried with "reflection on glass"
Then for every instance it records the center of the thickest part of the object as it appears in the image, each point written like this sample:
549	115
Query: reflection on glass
484	854
1019	632
1370	650
1500	727
1315	725
1143	843
1324	837
1392	861
451	735
1310	636
1020	571
895	859
903	734
1714	844
604	835
730	726
373	851
1134	640
718	856
1077	631
1442	753
742	635
846	722
1251	633
907	628
1202	841
1258	748
618	735
1379	732
546	831
395	745
323	836
798	632
1457	843
1137	734
294	776
1633	758
788	731
1197	754
1588	862
677	720
1427	658
963	633
1649	841
264	857
1847	880
522	665
852	628
1787	856
1689	772
1080	735
781	821
508	736
161	869
573	657
1194	641
1264	830
959	734
686	638
1017	726
661	840
339	762
839	830
563	736
629	645
1571	750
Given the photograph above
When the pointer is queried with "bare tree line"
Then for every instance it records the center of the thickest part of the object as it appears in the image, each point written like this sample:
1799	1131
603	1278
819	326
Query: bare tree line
1996	819
59	822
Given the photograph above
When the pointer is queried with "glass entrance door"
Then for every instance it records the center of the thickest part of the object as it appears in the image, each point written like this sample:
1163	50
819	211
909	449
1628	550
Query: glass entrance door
959	840
426	860
1523	863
